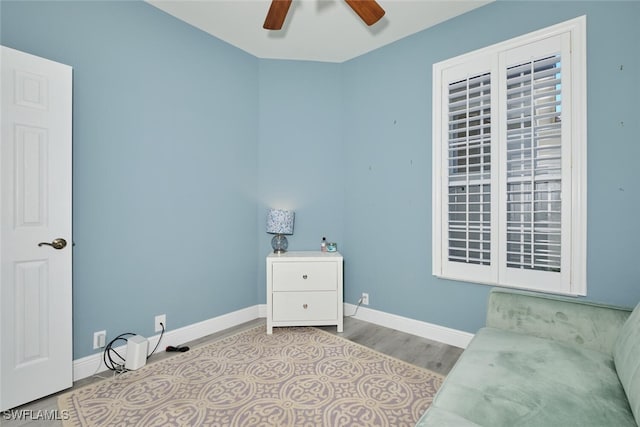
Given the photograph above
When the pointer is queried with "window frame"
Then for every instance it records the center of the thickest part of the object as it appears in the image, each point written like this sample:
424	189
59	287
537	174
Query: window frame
572	34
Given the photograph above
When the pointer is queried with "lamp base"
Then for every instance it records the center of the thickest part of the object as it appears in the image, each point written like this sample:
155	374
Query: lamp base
279	244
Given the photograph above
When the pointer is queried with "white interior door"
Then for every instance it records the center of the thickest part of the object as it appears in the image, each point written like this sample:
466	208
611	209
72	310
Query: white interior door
35	207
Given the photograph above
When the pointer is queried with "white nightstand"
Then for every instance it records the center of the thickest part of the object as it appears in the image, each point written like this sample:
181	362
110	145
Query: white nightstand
304	289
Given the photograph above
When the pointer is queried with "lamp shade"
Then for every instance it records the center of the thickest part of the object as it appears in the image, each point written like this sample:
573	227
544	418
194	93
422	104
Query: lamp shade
280	221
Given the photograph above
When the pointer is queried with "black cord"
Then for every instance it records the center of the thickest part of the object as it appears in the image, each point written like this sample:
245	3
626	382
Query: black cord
158	343
108	350
108	357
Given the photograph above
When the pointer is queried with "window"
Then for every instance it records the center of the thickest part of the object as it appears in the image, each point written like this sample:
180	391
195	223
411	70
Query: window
509	163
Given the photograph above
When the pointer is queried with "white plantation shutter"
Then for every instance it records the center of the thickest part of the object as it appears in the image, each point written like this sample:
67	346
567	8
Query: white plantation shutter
509	163
467	230
469	171
536	154
534	168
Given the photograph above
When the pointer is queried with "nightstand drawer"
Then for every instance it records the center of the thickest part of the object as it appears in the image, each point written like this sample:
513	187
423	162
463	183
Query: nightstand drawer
305	276
301	306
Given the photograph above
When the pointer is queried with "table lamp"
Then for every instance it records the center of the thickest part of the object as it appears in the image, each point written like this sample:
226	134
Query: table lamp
280	222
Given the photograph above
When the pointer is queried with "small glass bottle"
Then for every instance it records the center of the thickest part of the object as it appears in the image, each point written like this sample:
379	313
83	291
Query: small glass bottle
323	244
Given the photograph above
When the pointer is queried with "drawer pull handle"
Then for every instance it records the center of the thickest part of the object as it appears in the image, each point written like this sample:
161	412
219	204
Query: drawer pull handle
304	276
305	306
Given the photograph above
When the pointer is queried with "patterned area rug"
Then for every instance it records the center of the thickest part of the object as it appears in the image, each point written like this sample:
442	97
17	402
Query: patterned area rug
295	377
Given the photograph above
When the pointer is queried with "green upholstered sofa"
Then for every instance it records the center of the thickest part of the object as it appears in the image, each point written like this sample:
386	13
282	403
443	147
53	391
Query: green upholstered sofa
545	361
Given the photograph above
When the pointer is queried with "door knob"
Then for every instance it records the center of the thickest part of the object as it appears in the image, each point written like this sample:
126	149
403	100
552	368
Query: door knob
58	243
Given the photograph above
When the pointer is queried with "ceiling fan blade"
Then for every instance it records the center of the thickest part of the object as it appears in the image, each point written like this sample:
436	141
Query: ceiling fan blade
369	10
276	15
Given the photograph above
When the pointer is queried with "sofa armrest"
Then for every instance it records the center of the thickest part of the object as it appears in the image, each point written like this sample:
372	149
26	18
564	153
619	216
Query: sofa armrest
578	322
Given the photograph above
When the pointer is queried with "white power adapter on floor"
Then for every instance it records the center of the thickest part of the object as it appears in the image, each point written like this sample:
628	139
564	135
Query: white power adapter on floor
137	347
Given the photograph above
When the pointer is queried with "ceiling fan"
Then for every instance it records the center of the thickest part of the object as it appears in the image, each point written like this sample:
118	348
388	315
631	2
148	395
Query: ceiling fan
368	10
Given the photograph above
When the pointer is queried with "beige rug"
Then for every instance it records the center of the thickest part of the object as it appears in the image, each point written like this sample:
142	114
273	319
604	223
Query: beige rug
295	377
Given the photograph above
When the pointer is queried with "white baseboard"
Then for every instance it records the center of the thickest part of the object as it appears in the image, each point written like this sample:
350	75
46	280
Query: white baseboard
422	329
430	331
92	364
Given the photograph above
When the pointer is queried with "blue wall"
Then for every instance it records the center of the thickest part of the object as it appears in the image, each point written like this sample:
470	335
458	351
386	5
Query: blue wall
301	153
164	163
387	100
181	143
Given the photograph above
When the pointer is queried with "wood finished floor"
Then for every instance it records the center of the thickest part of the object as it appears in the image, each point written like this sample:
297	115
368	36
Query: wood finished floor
433	355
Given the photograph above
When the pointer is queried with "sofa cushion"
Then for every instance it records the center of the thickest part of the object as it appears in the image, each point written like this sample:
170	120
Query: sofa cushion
626	355
509	379
579	322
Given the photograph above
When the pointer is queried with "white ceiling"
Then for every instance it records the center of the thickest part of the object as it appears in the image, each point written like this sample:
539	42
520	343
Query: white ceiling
315	30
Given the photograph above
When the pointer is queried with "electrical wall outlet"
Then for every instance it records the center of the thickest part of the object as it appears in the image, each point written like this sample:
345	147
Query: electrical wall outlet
160	318
365	298
99	339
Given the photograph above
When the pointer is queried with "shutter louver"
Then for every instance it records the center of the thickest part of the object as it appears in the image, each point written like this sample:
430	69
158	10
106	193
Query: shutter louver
534	168
469	170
